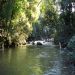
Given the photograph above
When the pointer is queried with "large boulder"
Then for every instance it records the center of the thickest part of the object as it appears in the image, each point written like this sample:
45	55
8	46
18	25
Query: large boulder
71	50
39	43
71	43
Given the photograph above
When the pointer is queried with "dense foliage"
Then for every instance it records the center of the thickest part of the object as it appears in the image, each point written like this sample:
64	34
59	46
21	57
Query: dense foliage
20	19
67	19
47	23
16	17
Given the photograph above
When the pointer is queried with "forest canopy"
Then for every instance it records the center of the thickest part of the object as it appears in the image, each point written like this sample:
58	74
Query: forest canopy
21	19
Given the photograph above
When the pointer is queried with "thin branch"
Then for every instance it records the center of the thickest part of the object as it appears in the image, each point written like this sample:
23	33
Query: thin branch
39	3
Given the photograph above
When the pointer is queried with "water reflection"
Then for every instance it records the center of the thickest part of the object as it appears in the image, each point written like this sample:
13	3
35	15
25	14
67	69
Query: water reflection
30	60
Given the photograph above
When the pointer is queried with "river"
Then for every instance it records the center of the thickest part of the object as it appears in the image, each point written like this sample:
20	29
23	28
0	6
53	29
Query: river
31	60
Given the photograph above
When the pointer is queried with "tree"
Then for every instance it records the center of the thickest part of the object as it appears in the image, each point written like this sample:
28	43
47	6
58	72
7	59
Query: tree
18	16
50	18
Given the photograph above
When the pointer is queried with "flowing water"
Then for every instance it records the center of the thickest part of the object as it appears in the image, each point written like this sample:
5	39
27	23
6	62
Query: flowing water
31	60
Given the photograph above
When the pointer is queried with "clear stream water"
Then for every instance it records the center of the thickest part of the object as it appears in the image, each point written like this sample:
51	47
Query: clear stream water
31	60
